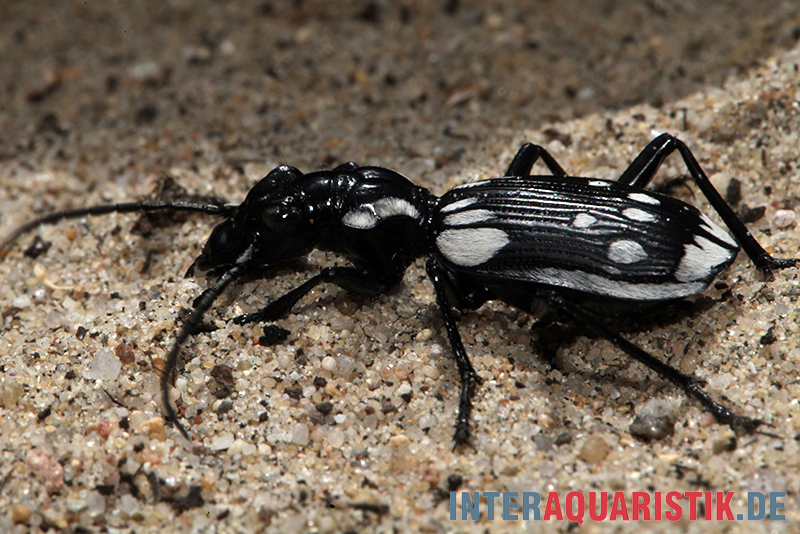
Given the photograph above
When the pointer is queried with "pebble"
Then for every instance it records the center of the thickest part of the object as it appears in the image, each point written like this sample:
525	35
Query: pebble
784	218
593	450
651	427
104	366
335	438
10	393
42	463
154	428
222	441
329	364
398	440
20	513
300	435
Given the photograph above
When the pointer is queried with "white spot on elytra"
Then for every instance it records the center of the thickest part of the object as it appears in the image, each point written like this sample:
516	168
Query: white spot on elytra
643	197
583	220
468	217
599	183
700	258
626	251
635	214
468	247
367	216
717	232
458	204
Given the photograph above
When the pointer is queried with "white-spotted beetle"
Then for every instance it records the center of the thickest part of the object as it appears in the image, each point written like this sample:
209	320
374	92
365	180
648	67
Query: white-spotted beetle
566	242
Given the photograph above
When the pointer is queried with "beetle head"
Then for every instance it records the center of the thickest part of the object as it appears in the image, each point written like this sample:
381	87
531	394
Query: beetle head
276	218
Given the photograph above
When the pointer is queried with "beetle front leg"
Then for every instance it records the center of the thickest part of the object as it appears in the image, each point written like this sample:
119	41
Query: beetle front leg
691	384
468	377
348	278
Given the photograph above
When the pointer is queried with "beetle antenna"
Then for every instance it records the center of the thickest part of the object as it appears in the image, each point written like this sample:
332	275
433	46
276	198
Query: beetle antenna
123	207
201	306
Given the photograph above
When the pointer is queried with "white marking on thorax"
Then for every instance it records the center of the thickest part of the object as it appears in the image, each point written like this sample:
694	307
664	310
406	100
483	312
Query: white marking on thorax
643	197
468	247
367	216
626	251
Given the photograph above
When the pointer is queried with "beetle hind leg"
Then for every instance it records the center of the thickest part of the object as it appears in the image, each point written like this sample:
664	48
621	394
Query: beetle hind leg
644	167
692	385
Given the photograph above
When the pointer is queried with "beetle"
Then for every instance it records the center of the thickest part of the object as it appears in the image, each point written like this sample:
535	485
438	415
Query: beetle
567	244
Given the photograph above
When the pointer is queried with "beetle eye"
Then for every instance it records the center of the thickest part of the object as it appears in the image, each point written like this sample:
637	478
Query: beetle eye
280	217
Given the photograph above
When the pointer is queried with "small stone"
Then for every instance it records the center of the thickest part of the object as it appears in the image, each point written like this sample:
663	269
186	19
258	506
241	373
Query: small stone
335	438
95	504
154	428
10	393
105	428
198	376
544	443
593	450
651	428
784	218
398	440
125	354
104	366
424	335
242	447
129	505
329	364
431	475
42	463
20	513
300	435
222	441
726	444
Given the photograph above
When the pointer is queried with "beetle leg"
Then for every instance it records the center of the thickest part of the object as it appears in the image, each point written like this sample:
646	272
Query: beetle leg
642	170
468	377
348	278
691	384
527	155
644	167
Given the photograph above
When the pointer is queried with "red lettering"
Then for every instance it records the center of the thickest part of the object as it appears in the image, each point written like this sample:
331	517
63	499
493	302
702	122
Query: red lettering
619	507
575	510
641	503
724	505
677	512
657	502
593	505
693	496
553	507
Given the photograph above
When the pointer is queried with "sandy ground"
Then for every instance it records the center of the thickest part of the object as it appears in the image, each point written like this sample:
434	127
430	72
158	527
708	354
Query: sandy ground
347	425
